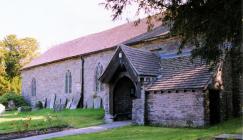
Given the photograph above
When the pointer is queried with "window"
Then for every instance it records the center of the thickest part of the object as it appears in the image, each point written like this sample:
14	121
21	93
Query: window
99	70
68	82
33	87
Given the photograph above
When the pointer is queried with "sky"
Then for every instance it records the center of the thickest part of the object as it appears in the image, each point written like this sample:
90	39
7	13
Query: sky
53	22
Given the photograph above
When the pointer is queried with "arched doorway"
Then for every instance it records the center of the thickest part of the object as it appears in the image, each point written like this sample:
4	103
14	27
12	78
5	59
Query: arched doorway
123	94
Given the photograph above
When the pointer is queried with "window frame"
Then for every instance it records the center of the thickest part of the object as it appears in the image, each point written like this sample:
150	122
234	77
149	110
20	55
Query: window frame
98	72
33	87
68	82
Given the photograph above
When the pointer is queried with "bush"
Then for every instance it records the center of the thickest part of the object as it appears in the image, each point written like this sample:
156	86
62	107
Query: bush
17	99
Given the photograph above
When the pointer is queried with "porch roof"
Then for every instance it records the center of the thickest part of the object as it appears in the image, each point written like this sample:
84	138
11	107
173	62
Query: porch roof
136	61
182	73
144	62
177	72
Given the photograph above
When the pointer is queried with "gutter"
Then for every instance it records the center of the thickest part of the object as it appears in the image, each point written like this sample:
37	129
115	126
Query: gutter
81	102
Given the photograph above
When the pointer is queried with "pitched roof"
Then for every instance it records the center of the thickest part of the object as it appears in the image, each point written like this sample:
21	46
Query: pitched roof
143	62
94	42
158	31
181	73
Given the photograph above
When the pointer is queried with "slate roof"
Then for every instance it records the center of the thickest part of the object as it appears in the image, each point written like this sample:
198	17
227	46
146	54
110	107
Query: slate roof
181	73
143	62
158	31
96	42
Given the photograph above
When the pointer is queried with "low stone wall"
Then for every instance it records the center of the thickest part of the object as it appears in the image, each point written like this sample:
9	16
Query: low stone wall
185	109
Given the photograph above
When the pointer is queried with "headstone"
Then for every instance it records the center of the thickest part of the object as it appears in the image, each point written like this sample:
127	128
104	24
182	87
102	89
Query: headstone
97	102
69	102
90	102
53	99
38	105
48	103
58	100
24	109
75	102
64	101
2	109
58	107
11	105
44	103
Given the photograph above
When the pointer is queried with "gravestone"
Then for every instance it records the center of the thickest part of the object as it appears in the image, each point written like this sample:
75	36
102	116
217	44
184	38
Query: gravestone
44	103
24	109
11	105
64	101
69	102
90	102
48	103
2	109
75	102
53	99
97	102
58	107
58	100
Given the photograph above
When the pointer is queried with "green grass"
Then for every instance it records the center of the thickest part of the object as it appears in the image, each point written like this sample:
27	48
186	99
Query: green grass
14	121
161	133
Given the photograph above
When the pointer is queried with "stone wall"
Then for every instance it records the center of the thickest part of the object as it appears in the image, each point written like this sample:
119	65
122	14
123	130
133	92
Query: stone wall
90	63
138	109
176	109
50	80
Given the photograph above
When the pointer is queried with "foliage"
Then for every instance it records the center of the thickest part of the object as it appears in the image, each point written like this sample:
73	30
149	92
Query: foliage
207	24
18	100
162	133
14	54
46	118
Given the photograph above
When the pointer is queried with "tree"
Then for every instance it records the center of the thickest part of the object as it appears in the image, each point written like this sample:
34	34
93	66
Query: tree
209	25
14	54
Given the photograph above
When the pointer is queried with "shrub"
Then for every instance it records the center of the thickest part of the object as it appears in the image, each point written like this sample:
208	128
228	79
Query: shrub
18	100
24	109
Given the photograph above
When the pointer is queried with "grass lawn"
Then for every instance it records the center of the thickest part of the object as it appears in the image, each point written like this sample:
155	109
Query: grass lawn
14	121
161	133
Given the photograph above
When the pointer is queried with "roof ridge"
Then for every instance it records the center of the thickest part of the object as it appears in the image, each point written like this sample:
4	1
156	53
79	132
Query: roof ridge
105	30
141	50
94	42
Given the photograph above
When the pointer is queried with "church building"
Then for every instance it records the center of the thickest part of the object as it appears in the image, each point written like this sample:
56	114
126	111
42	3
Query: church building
133	74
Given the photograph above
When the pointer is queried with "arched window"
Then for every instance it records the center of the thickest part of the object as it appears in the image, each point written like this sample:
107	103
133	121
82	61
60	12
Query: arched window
68	82
33	87
98	72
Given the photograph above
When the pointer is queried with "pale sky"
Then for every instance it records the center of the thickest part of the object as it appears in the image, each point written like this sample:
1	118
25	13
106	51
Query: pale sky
55	21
